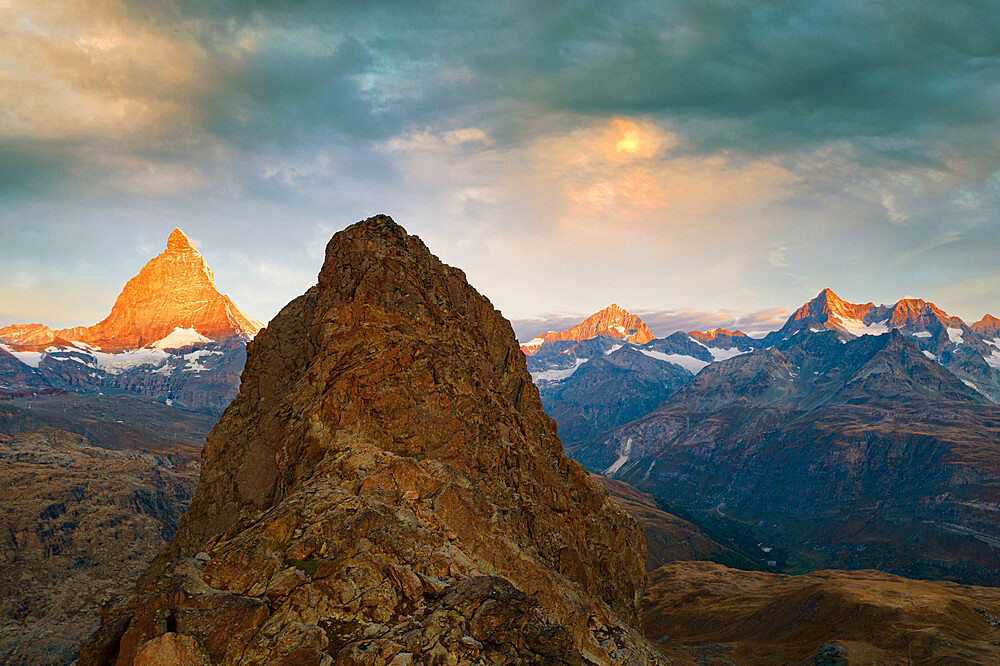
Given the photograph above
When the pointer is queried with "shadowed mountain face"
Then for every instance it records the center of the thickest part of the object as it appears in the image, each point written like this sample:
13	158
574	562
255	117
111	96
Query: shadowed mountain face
856	454
670	538
387	483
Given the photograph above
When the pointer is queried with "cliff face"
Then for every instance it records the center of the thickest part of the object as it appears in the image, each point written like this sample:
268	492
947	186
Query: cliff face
386	483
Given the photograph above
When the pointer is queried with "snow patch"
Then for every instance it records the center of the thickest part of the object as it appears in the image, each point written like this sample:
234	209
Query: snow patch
557	375
930	355
180	337
31	358
617	465
922	334
613	350
193	362
115	364
27	357
689	363
858	328
993	359
955	335
534	343
720	354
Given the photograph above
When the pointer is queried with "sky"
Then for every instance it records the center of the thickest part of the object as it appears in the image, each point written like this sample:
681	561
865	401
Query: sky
700	162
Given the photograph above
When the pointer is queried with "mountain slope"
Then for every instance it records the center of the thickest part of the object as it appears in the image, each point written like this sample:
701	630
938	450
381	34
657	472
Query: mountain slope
607	391
704	613
670	538
387	483
91	488
942	337
856	454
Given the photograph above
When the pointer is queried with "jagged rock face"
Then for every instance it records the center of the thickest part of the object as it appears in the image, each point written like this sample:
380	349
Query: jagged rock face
386	483
723	338
173	290
613	321
988	327
27	334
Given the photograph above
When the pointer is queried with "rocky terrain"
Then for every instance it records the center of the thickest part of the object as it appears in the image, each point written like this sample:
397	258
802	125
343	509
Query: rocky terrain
170	335
864	454
91	488
386	488
705	613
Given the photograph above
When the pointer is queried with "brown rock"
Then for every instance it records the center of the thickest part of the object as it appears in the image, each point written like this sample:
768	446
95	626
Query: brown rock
698	610
174	649
392	375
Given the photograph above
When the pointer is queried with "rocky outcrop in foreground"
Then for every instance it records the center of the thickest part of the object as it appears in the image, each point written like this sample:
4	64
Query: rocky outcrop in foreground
387	489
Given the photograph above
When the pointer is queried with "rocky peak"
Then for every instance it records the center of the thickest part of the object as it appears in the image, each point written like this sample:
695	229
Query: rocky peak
987	327
613	321
714	333
27	334
908	311
828	305
386	483
175	289
178	242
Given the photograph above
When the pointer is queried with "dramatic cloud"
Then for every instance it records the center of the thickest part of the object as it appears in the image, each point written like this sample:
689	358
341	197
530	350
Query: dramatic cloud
700	153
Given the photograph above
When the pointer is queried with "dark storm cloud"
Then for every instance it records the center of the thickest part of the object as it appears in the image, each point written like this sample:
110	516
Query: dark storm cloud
903	81
757	75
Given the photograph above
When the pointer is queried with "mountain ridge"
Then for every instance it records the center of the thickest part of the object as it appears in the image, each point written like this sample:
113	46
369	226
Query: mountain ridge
386	482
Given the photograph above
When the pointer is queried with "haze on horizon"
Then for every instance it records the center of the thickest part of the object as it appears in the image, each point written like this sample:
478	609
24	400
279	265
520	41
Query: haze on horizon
701	163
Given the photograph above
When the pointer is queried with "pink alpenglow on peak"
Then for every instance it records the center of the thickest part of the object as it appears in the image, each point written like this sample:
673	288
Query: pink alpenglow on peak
613	321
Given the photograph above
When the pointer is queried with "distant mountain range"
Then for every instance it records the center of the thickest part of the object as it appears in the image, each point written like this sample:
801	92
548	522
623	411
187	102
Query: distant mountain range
170	335
854	436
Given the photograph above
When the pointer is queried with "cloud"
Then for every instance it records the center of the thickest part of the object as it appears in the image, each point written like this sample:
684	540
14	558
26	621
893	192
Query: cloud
777	257
560	152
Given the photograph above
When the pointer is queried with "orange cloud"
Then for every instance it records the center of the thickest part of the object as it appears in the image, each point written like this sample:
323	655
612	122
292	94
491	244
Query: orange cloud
84	67
625	170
